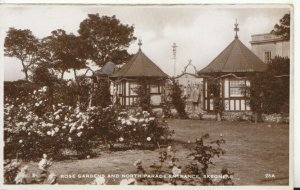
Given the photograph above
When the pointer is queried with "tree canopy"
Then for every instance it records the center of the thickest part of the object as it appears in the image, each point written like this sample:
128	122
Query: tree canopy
64	51
283	29
106	39
23	45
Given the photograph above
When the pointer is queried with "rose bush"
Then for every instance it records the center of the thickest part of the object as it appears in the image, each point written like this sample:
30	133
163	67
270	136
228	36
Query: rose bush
32	128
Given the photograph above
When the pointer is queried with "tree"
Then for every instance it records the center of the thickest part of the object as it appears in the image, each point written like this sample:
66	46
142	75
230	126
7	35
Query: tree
214	86
283	29
255	94
269	91
41	75
276	92
143	92
64	52
177	100
106	39
23	45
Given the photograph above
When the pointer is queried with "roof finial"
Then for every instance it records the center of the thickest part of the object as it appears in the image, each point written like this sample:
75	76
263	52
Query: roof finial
140	44
236	29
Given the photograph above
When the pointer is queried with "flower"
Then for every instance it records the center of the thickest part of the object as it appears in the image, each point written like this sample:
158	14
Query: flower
29	133
148	138
121	139
88	156
79	134
21	141
176	171
100	180
22	176
130	181
23	128
52	178
128	122
52	133
37	104
72	129
45	156
151	118
44	164
137	162
56	129
57	117
48	132
69	139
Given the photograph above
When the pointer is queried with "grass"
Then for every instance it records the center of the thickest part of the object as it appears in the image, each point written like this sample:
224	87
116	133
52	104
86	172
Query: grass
252	151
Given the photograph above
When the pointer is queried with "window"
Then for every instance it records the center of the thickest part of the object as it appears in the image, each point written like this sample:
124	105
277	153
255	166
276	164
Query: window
236	87
154	88
133	88
267	57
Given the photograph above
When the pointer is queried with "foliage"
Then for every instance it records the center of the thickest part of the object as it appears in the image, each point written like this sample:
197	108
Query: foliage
203	155
64	52
101	93
195	173
32	127
41	75
214	86
11	169
140	130
106	39
176	98
23	45
143	92
283	29
18	90
269	91
15	174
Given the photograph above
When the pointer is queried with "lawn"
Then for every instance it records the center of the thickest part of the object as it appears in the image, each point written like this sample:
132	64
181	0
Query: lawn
252	151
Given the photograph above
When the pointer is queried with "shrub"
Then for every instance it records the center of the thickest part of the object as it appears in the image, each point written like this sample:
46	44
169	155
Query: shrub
169	166
34	128
176	99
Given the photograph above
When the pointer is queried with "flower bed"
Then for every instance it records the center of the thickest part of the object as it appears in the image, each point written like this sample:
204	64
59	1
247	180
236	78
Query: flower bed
34	127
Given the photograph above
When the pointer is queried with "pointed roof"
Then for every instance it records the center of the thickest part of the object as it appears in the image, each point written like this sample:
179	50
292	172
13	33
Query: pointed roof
140	66
107	69
236	57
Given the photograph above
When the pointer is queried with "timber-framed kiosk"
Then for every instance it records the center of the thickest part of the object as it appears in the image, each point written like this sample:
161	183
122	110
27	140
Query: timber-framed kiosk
232	69
128	78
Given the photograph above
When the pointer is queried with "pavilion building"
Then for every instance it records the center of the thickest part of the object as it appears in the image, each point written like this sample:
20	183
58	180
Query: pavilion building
232	69
128	78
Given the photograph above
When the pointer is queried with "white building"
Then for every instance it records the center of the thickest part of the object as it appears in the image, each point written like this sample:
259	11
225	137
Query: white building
267	46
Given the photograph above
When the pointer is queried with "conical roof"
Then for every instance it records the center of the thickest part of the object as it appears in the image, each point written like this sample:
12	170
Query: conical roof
235	58
140	66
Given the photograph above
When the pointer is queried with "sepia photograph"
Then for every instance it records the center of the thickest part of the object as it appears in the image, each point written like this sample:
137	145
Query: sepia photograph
147	95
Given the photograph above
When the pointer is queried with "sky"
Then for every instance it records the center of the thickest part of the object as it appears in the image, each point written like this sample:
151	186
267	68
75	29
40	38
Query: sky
201	32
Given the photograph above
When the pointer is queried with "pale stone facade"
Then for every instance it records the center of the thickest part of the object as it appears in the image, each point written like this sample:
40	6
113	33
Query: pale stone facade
267	46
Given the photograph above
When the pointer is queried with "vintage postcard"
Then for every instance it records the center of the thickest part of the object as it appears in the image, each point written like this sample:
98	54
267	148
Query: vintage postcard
186	95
